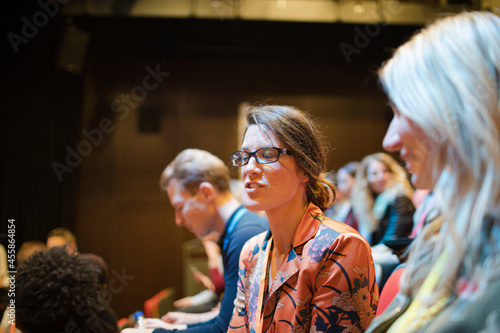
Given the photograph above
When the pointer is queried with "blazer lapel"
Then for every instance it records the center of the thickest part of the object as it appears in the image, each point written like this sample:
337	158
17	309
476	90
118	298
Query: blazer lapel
307	229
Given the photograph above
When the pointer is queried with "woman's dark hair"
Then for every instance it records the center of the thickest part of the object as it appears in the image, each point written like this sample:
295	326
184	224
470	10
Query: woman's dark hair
56	290
298	132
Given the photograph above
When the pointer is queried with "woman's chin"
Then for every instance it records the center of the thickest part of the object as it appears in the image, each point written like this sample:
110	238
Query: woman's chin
420	182
251	205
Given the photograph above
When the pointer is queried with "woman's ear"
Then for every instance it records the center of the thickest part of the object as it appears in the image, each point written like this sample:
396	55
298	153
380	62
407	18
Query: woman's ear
304	177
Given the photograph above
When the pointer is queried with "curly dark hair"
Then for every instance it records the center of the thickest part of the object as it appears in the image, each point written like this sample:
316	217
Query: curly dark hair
56	291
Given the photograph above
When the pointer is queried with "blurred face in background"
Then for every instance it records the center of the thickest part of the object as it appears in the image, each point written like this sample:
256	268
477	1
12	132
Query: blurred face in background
344	182
191	211
378	176
56	241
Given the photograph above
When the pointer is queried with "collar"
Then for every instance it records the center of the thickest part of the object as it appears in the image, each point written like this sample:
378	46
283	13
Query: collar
307	227
228	209
230	225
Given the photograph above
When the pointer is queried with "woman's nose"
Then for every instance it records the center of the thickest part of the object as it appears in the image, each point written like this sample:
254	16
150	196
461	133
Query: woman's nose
392	139
251	166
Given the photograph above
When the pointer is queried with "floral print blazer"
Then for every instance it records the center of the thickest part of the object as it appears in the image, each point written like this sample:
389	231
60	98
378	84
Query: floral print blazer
326	283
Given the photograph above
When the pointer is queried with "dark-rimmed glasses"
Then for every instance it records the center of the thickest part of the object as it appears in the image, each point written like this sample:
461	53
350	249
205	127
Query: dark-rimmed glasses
263	155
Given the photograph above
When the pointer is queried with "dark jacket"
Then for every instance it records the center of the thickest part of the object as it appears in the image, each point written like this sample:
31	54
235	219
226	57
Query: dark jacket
397	221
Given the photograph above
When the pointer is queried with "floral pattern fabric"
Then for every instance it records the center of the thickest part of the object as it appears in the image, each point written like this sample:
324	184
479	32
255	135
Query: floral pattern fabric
326	283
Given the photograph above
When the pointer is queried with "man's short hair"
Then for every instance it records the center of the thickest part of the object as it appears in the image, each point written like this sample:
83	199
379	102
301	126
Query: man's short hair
64	233
28	248
194	166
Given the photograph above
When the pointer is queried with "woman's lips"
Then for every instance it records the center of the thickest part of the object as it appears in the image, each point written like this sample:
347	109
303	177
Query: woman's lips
252	185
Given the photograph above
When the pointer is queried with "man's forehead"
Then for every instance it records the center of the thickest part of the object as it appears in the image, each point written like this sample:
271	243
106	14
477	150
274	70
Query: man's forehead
176	192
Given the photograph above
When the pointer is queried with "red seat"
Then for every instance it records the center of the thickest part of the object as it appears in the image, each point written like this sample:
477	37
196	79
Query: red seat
390	289
159	304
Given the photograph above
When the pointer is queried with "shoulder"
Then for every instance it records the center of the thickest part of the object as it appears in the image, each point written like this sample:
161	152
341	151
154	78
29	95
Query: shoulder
252	217
338	226
402	202
251	220
339	232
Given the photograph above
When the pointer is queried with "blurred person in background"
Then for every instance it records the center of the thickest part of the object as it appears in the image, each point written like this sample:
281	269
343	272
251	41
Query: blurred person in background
381	199
343	208
62	237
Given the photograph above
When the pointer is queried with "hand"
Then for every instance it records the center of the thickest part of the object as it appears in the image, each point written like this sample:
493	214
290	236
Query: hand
183	302
158	323
203	280
174	317
212	250
211	247
177	318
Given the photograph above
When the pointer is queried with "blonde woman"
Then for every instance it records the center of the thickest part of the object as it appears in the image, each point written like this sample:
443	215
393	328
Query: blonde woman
381	199
444	88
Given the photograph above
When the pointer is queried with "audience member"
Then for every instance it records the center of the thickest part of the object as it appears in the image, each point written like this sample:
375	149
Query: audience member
3	267
443	85
345	179
108	319
381	199
331	177
207	299
62	237
56	292
197	184
425	213
99	265
4	303
308	273
419	196
28	248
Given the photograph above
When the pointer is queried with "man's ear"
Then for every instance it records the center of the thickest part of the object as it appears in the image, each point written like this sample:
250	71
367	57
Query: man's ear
206	191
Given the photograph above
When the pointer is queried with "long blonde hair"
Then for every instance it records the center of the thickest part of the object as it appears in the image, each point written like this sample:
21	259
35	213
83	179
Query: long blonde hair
362	197
446	81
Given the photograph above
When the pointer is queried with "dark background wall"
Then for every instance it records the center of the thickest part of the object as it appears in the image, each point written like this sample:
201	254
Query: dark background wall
106	190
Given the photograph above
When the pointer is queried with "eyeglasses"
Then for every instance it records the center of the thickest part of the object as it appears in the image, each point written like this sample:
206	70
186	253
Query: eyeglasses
264	156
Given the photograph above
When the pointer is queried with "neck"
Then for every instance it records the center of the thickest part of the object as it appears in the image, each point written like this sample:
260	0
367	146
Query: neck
226	205
283	222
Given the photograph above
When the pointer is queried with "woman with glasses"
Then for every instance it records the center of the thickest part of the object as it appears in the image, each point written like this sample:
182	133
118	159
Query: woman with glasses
308	273
443	85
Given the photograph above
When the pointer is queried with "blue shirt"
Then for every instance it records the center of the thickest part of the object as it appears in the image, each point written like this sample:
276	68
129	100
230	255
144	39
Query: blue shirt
236	233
